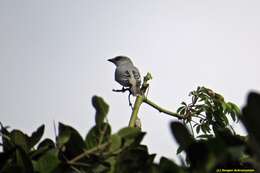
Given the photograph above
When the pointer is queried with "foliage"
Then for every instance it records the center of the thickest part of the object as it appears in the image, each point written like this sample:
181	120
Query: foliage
208	111
122	152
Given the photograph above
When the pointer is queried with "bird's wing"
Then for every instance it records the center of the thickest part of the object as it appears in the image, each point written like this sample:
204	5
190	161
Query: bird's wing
122	76
136	73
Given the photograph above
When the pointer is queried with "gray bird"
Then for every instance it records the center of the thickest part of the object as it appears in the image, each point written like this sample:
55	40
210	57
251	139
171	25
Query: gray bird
127	74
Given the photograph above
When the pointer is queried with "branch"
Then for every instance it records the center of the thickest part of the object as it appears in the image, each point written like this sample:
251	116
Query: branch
87	152
160	109
138	102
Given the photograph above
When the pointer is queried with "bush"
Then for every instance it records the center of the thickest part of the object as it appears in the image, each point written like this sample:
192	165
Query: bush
213	145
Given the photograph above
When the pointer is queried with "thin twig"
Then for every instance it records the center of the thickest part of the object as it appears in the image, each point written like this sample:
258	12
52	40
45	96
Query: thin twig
160	109
102	134
80	164
75	169
87	152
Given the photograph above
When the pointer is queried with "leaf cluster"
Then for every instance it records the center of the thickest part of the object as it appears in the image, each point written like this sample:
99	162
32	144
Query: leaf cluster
122	152
208	112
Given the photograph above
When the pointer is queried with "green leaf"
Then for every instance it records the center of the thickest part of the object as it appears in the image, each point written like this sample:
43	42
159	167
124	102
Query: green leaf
48	162
181	134
207	136
101	109
116	142
48	143
180	109
23	161
63	137
179	150
198	129
236	109
36	136
20	139
251	119
72	146
134	160
98	135
129	132
203	128
4	156
225	119
131	135
42	148
167	166
5	134
233	116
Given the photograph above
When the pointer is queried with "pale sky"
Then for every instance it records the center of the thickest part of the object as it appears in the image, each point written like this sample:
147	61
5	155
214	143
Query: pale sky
53	59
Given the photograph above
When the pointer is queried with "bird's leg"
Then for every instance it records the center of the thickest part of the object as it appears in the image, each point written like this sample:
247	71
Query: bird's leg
129	101
122	90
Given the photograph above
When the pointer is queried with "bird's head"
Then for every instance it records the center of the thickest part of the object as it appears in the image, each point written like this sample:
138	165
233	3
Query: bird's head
120	60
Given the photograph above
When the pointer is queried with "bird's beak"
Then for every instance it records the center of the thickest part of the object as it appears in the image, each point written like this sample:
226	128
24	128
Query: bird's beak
111	60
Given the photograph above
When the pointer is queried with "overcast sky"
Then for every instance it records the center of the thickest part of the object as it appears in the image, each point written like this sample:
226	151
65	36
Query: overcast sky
53	59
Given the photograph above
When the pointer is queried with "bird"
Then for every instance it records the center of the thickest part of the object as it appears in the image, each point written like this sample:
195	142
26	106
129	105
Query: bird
127	74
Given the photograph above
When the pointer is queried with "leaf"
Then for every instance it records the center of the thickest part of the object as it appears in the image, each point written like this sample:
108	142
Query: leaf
36	136
233	116
20	139
48	162
225	119
206	136
181	134
101	109
235	108
98	135
131	135
42	148
203	128
116	142
129	132
180	109
46	143
251	119
7	144
134	160
63	137
167	165
4	156
198	129
23	160
179	150
72	146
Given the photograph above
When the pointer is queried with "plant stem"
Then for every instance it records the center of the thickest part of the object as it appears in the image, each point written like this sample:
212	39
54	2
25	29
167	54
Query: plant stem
87	152
138	102
160	109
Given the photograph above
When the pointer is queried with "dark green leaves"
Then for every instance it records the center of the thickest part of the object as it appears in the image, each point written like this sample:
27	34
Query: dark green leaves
48	162
251	120
18	146
70	141
101	109
181	134
36	136
103	152
98	135
168	166
208	110
20	139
